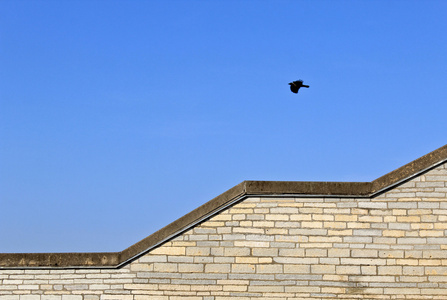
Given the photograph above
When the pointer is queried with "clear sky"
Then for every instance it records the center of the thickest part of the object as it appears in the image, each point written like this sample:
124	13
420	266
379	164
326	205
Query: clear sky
119	117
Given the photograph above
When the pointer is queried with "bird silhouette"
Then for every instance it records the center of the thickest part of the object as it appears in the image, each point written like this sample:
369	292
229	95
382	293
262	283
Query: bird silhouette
296	85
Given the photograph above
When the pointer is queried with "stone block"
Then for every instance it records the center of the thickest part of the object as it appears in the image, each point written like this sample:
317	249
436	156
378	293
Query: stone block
217	268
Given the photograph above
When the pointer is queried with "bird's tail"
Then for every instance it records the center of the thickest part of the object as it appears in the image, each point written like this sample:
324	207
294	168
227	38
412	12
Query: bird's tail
305	85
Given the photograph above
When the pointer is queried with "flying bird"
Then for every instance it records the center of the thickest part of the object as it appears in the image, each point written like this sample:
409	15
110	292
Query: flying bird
296	85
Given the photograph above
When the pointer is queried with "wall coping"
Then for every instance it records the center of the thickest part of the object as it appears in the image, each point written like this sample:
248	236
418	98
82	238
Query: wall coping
230	197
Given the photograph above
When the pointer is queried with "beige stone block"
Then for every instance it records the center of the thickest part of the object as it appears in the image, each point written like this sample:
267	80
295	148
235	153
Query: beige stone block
339	252
165	267
224	230
47	297
330	277
235	210
141	267
335	225
391	254
101	287
324	239
436	270
364	253
373	293
291	238
264	252
150	258
363	261
239	217
265	260
308	232
355	225
287	224
204	288
316	252
284	210
34	297
407	262
399	212
243	268
429	218
251	244
295	252
389	219
263	224
310	210
218	260
316	245
340	232
430	233
215	224
409	219
140	286
372	205
439	226
323	217
366	279
306	224
322	269
394	233
411	241
417	226
296	269
390	270
385	240
346	218
217	268
434	254
402	291
348	270
369	270
438	291
169	250
302	289
33	287
232	282
235	288
301	217
198	251
277	217
269	268
329	261
358	211
274	231
337	211
412	270
437	278
333	290
108	297
248	230
371	219
190	268
265	289
247	260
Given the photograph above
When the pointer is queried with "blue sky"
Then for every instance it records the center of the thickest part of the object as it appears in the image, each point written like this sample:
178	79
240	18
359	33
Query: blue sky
118	117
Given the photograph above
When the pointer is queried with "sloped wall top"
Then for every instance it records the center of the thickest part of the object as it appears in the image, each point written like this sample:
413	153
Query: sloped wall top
228	198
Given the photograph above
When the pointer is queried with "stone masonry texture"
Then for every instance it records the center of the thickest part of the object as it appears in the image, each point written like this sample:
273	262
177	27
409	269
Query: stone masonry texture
391	246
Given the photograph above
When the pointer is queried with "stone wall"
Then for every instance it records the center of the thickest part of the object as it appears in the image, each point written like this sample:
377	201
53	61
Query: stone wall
391	246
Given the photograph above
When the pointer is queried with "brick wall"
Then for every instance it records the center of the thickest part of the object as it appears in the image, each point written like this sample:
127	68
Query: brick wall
392	246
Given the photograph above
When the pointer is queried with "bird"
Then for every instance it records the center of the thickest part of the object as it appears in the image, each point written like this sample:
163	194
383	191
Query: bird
296	85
